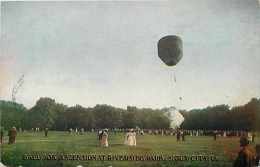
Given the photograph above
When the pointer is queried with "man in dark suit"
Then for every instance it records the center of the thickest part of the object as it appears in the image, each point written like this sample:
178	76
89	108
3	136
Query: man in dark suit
246	155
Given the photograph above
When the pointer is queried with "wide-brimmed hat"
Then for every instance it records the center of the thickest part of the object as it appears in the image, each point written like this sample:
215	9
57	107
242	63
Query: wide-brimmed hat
243	141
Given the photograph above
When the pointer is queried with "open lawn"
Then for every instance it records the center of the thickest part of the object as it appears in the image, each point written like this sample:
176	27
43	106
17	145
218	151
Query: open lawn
64	143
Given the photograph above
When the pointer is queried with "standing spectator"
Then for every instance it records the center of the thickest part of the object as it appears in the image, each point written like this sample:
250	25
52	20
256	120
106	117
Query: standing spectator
250	137
99	134
215	135
246	156
81	131
70	131
12	135
104	138
46	132
183	135
142	132
178	135
1	135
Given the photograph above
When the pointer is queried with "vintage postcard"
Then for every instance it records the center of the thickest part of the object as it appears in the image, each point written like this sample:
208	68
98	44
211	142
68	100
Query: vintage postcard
130	83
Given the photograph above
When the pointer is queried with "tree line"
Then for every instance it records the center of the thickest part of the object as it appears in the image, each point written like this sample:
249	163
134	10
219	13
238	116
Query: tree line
222	117
56	116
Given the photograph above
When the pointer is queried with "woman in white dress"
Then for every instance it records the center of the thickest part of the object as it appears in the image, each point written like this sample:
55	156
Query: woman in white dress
130	138
104	138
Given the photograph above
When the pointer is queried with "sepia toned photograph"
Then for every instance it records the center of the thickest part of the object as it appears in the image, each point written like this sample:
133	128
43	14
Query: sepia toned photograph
167	83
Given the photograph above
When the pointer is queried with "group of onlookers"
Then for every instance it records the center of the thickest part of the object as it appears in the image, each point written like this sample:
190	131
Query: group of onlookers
247	156
130	138
11	134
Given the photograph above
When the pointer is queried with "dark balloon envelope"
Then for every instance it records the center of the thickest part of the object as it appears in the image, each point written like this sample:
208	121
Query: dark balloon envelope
170	49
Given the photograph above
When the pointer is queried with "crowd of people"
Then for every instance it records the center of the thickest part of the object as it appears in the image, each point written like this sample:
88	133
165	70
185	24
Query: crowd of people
247	156
179	133
11	135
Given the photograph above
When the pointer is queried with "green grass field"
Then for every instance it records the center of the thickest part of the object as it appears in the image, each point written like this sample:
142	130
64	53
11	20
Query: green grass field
62	142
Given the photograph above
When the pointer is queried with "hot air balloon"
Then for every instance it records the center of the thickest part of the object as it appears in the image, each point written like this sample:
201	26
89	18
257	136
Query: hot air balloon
170	49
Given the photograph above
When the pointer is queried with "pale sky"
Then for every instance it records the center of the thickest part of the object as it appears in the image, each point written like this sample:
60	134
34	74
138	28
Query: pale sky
92	53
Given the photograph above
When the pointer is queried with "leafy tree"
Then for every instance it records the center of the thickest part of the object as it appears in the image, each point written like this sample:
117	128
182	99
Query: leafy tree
12	114
43	113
